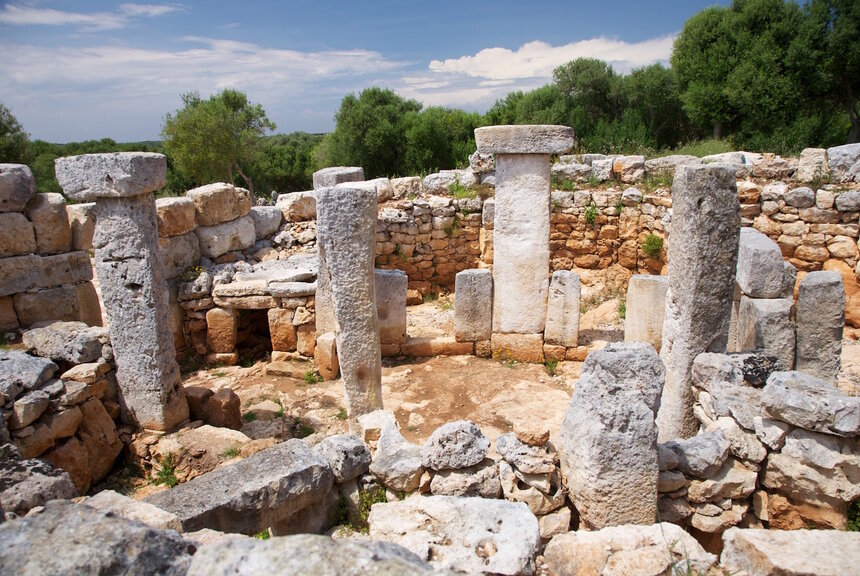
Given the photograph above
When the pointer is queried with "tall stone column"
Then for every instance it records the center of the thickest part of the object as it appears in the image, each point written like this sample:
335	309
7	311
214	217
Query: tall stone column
521	228
134	290
703	255
346	236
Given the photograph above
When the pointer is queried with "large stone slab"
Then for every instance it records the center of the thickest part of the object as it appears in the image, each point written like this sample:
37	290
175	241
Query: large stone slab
17	186
646	308
473	305
267	220
562	315
766	325
16	235
703	257
298	206
523	139
820	321
810	403
701	456
116	175
25	484
20	371
178	253
176	216
218	203
844	162
215	241
766	552
132	509
760	268
474	535
329	177
608	447
390	289
25	273
264	490
73	342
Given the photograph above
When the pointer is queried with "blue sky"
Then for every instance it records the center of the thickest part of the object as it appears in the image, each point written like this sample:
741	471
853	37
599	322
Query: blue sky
78	69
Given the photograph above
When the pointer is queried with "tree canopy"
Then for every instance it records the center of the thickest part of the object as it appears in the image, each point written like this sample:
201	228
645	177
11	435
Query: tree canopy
14	141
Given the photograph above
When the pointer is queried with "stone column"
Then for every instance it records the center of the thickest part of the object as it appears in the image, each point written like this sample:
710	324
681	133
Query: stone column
562	317
129	269
820	321
346	235
521	221
646	307
703	258
391	286
473	305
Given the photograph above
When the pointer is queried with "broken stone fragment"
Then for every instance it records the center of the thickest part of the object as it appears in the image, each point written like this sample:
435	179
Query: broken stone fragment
347	456
455	445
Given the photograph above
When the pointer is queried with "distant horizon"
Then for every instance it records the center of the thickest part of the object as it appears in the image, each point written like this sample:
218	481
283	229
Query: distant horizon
87	70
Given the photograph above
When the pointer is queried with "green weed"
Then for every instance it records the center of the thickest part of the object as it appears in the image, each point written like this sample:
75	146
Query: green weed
231	452
622	308
591	213
263	534
313	377
460	192
652	246
445	304
551	366
167	473
341	414
430	297
853	517
249	416
302	429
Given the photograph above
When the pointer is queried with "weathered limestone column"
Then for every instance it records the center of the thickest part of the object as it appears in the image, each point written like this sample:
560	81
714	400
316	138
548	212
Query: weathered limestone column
767	325
346	234
703	258
562	316
473	305
391	286
129	269
521	222
820	321
646	307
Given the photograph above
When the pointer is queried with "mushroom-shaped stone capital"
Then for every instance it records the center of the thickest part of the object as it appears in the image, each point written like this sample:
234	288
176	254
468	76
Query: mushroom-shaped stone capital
524	139
116	175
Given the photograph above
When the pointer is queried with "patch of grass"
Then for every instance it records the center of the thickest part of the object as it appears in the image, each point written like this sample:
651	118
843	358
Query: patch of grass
167	473
249	416
566	185
593	181
551	366
820	178
263	534
591	213
430	297
302	429
219	374
461	192
374	494
231	452
702	148
505	357
412	428
247	362
342	414
853	517
313	377
652	246
280	412
619	206
659	179
622	308
445	304
453	227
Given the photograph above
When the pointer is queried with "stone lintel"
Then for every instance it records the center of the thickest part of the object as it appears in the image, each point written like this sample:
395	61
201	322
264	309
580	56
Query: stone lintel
116	175
524	139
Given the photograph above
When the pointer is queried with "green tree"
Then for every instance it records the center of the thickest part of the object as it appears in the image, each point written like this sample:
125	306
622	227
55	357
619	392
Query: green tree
210	140
839	22
14	141
652	93
438	138
285	162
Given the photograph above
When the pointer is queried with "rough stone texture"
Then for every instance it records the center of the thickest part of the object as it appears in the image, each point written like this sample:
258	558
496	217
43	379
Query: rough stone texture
16	235
98	434
60	303
267	220
264	490
132	509
702	261
390	289
225	409
73	342
346	224
760	268
646	308
281	330
521	242
27	408
562	314
608	446
396	463
526	458
734	481
848	201
790	553
26	273
20	371
480	480
215	241
701	456
742	444
519	347
844	162
325	356
473	305
820	320
71	455
222	325
811	403
82	219
175	215
554	523
463	534
8	318
50	221
135	297
347	456
218	203
298	206
628	550
455	445
524	139
542	493
766	325
178	253
69	538
36	441
117	175
25	484
812	165
17	186
329	177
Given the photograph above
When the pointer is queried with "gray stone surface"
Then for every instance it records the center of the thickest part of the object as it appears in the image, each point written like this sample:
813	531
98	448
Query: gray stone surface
50	221
49	304
646	308
790	552
820	320
524	139
562	314
488	213
73	342
267	220
178	253
701	456
27	408
132	509
810	403
528	459
473	305
69	538
789	280
812	165
218	203
608	447
520	487
298	206
116	175
463	534
82	219
844	162
215	241
25	484
347	456
328	177
396	463
454	445
848	201
480	480
766	325
703	257
20	371
346	224
521	242
760	270
32	272
17	186
390	288
802	197
264	490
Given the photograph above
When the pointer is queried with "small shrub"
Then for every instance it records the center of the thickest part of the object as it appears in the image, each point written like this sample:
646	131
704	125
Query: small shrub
191	274
302	429
593	181
374	494
652	246
566	185
551	366
249	416
167	473
231	452
820	178
280	412
445	305
854	517
622	309
460	192
619	206
341	414
591	213
263	534
313	377
430	297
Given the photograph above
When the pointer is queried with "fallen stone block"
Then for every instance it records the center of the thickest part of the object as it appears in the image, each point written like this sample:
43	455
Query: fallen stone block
132	509
328	177
347	456
73	342
810	403
25	484
20	371
790	553
454	445
397	463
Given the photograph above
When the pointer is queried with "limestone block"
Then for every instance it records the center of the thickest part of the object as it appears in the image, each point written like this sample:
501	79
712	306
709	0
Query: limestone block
73	342
219	203
17	186
132	509
762	552
380	186
292	289
820	320
115	175
82	219
225	409
521	242
27	408
325	356
760	270
8	318
812	165
789	280
390	288
608	450
454	445
480	480
701	456
347	456
178	253
396	463
298	206
488	213
703	256
20	371
473	305
71	456
221	329
811	403
524	139
572	172
629	168
405	187
89	305
98	434
602	169
16	235
25	273
217	240
328	177
562	316
844	162
305	340
267	220
767	326
176	216
281	330
60	303
848	201
519	347
646	308
525	457
346	221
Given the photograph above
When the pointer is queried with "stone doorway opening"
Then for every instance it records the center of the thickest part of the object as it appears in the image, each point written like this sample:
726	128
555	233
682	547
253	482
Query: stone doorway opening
253	339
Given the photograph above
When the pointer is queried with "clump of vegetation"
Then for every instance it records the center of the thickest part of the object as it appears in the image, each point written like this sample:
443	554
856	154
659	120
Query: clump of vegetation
302	429
400	255
313	377
551	367
453	227
652	246
280	412
853	517
430	297
371	495
191	274
191	363
167	472
593	181
619	206
263	534
505	357
659	179
445	305
231	452
622	308
461	192
249	416
342	414
591	213
566	185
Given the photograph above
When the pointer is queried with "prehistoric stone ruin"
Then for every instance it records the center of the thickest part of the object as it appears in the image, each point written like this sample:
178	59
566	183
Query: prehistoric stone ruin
708	441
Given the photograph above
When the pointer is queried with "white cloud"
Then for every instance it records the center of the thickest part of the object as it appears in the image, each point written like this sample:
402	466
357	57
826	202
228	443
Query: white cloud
21	15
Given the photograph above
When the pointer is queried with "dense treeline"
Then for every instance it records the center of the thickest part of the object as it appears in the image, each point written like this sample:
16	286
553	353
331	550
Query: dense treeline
764	75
